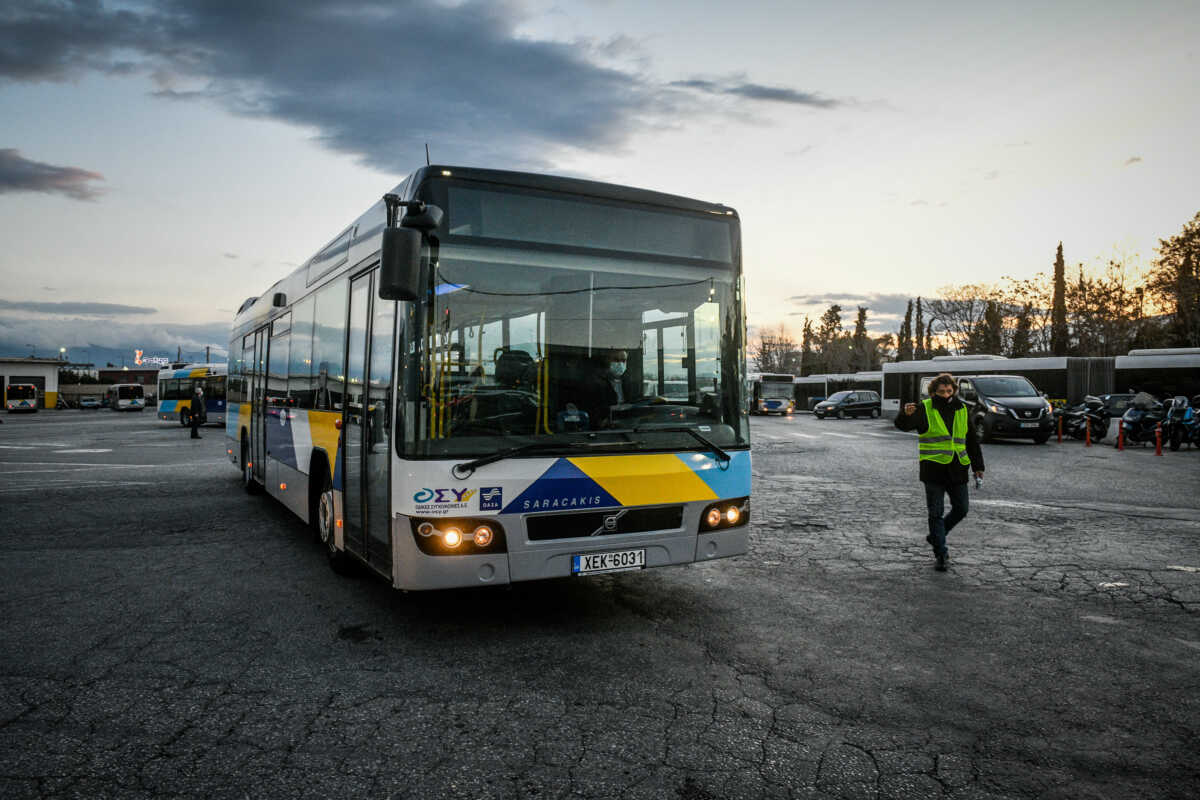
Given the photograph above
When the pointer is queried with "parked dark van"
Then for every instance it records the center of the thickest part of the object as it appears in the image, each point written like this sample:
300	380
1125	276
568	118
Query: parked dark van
1006	406
857	403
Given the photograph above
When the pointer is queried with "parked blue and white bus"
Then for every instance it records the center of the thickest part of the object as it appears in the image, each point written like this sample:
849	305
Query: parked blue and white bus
177	387
492	377
770	393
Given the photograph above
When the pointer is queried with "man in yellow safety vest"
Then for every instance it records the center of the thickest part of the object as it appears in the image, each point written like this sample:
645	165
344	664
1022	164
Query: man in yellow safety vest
948	450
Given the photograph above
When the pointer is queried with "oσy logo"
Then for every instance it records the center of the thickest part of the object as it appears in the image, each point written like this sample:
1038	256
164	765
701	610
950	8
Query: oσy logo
437	496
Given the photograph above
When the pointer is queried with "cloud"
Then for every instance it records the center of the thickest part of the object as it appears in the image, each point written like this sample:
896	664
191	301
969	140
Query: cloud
1132	160
919	203
19	335
90	309
231	256
374	80
882	306
757	91
18	174
991	176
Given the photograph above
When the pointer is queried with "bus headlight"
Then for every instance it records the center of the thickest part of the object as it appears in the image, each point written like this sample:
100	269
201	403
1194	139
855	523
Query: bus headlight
458	536
725	514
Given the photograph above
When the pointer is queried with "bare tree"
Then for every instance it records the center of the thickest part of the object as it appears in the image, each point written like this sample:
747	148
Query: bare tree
775	351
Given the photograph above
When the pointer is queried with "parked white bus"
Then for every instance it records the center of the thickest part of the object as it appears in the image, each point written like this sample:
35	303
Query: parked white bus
493	377
21	397
125	397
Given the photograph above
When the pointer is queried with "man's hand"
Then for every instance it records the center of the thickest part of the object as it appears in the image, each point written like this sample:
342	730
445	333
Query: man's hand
910	409
978	473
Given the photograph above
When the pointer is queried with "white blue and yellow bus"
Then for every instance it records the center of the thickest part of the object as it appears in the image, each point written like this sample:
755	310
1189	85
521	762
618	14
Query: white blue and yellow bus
21	397
177	387
493	377
125	397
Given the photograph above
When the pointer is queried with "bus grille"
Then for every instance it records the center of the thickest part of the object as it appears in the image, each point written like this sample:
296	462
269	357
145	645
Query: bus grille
543	527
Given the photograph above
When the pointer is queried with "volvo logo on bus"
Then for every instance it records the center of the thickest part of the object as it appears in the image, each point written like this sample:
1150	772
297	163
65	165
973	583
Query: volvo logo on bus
610	522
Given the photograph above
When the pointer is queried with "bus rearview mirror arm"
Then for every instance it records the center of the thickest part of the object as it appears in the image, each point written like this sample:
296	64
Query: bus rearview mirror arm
400	249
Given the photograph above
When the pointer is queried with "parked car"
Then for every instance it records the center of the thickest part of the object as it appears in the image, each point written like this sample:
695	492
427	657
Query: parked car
848	403
1006	406
89	401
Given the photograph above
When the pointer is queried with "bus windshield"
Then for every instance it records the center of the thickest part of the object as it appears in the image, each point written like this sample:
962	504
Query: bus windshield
129	392
21	391
1009	386
551	344
777	390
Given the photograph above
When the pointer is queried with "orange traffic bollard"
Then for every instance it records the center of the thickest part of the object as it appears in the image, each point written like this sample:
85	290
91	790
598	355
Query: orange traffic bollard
1060	429
1158	439
1121	434
1087	436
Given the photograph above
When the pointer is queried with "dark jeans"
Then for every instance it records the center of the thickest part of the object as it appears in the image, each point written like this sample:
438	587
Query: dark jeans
935	501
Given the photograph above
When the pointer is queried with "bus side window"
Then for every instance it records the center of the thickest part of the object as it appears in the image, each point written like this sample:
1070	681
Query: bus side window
329	343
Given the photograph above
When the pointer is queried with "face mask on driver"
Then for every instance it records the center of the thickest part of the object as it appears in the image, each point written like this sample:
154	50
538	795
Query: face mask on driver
616	368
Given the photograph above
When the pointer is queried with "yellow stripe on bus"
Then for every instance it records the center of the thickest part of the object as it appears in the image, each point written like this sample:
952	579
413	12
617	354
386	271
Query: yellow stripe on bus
324	434
645	480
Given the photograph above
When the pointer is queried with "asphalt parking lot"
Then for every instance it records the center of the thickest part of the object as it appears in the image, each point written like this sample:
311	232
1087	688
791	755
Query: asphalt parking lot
164	634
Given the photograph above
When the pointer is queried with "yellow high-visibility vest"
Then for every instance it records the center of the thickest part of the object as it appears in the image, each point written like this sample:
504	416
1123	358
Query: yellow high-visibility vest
937	444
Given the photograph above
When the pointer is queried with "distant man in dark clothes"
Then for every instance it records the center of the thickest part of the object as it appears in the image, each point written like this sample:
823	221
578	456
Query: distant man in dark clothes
197	415
948	450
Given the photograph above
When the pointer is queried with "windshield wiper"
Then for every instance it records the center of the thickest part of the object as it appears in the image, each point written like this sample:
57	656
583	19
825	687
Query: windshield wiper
721	455
464	470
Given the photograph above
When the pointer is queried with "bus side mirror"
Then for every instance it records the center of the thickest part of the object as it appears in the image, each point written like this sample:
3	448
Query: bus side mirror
400	250
400	264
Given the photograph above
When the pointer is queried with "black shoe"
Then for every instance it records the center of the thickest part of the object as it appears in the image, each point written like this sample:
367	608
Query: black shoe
941	564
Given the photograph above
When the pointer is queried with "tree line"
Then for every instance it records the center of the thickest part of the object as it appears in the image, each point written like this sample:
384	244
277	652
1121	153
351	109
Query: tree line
1058	312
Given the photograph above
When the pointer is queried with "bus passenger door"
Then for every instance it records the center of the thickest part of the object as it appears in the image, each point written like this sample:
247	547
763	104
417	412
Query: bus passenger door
353	411
258	365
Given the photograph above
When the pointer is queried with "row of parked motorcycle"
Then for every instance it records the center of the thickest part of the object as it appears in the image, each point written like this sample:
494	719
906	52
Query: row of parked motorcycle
1179	417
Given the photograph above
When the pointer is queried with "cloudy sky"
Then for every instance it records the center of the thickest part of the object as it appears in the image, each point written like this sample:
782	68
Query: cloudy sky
162	161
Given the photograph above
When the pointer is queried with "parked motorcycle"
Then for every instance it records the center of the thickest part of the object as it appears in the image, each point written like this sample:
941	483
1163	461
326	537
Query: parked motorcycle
1182	422
1076	420
1142	418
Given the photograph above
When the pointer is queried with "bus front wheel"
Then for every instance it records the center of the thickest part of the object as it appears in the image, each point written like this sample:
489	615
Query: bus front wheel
325	521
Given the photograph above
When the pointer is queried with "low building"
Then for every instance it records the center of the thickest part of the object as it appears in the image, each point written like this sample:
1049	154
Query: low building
146	377
41	372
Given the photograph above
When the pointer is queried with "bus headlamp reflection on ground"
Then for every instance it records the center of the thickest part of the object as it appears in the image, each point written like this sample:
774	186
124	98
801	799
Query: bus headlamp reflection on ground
446	537
725	514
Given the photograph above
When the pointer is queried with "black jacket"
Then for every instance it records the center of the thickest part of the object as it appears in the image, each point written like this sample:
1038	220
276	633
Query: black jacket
931	471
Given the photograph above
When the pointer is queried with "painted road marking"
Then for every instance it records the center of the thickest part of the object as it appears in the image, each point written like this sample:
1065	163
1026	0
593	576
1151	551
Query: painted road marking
99	450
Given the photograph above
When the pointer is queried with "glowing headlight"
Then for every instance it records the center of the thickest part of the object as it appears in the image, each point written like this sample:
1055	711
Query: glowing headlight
732	515
483	536
452	537
713	519
996	408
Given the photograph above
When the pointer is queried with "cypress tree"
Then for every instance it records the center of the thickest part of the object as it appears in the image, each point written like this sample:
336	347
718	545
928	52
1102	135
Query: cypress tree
919	329
1058	312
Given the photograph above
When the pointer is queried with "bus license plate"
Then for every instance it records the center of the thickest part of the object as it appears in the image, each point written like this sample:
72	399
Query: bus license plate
1030	424
618	561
